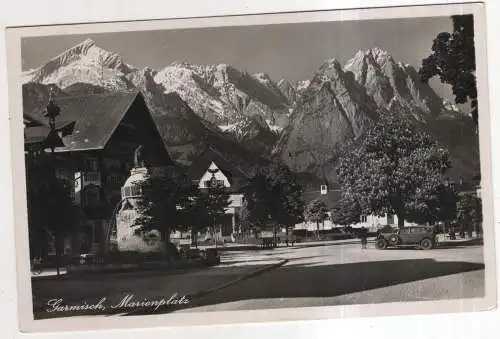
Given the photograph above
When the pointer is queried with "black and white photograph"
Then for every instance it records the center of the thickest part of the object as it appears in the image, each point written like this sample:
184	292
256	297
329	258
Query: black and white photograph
254	166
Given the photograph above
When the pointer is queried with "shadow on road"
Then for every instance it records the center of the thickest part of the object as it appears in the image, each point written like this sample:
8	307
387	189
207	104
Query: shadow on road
296	281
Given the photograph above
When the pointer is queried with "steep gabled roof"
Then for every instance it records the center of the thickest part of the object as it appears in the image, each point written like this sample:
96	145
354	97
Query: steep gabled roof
93	119
203	161
237	178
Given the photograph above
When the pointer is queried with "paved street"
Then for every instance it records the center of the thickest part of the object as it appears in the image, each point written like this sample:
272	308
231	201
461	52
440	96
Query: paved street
287	277
345	274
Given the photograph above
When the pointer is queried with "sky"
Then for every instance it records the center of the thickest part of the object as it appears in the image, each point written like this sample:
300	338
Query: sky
290	51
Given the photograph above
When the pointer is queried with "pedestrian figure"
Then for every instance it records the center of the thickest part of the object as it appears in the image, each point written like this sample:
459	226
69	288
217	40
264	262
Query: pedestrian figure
363	236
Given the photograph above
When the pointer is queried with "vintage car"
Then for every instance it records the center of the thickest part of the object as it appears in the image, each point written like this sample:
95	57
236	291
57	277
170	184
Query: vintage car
424	237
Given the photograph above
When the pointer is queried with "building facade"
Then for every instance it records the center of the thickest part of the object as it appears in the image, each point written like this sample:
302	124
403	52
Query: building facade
100	133
211	168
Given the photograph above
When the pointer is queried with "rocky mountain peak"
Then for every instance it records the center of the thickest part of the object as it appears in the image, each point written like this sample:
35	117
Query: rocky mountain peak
393	84
83	63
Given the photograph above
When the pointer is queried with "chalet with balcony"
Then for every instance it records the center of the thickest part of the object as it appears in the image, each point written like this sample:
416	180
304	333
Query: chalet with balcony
100	133
213	168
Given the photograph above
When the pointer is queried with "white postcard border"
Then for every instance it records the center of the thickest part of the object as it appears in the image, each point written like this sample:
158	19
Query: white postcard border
233	317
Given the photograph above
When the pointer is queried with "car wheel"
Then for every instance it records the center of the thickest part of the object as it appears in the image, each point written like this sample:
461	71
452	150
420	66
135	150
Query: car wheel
381	244
394	239
426	244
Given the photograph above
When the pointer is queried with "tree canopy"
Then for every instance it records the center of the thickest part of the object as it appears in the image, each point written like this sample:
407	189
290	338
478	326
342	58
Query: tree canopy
274	193
51	210
469	211
316	212
162	197
396	170
346	213
453	61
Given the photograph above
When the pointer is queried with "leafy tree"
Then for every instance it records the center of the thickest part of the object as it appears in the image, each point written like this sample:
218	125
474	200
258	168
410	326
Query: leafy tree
162	195
346	213
288	207
453	60
194	213
316	211
477	214
274	194
257	200
439	205
52	214
396	169
469	212
65	220
216	200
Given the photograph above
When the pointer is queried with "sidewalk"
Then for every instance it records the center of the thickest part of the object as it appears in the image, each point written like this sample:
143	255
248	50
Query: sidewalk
443	241
313	243
78	272
114	289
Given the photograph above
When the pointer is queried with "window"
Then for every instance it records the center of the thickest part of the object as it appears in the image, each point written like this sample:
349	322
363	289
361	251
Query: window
364	218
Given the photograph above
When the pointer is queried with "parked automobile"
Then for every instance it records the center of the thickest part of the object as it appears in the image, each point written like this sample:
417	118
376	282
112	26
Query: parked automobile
424	237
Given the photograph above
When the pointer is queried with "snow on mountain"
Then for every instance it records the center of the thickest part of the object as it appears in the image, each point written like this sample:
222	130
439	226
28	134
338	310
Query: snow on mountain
307	122
273	127
222	94
83	63
393	84
302	85
186	81
332	113
253	133
264	79
339	104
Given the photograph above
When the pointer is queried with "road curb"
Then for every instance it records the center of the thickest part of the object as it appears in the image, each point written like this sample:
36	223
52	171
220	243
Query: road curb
201	294
354	242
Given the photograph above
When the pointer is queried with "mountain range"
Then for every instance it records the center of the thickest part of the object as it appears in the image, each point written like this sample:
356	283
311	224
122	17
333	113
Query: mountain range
251	119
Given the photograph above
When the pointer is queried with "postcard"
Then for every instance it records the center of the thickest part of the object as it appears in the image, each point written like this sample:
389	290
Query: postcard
276	167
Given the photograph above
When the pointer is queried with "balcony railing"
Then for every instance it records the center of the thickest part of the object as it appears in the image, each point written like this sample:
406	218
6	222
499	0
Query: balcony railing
94	177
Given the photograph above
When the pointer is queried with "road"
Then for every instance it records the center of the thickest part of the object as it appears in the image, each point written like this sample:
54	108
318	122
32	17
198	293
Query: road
310	276
346	274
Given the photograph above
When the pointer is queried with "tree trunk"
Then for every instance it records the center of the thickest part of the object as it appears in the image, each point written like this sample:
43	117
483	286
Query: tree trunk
401	219
317	229
469	228
194	238
166	244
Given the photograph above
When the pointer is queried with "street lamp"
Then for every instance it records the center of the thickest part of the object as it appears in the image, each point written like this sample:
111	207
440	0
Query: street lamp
52	141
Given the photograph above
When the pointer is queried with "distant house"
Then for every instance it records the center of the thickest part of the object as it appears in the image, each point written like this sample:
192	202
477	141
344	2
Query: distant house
100	133
213	168
372	222
331	195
